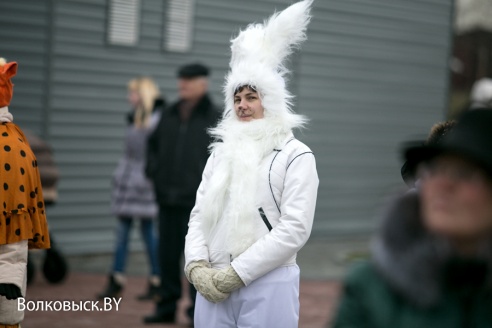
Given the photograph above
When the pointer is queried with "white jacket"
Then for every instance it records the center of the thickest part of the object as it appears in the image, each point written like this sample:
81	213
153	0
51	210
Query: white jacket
287	191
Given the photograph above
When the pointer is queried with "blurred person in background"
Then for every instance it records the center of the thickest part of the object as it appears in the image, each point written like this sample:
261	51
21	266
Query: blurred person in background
176	156
54	267
133	197
47	167
431	262
481	94
256	202
409	168
23	222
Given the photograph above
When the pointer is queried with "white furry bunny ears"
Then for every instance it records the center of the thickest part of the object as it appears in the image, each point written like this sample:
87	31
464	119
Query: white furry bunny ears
258	55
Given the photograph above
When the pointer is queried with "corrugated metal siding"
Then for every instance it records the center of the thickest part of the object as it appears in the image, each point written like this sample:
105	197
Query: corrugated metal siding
24	35
89	107
370	74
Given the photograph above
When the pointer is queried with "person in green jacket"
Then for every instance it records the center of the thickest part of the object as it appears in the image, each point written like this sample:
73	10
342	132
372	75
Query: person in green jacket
431	263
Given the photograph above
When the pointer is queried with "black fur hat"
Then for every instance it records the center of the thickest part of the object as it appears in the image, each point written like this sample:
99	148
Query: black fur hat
437	132
471	138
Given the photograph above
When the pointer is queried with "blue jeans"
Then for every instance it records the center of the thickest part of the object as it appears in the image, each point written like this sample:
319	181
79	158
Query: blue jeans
150	240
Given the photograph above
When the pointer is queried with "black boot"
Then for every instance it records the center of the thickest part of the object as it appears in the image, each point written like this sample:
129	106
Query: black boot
160	318
113	289
151	294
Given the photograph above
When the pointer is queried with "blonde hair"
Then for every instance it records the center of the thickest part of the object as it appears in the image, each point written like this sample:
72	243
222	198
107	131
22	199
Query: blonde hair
148	92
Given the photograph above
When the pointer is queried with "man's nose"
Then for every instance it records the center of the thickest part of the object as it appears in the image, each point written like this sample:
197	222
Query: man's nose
242	104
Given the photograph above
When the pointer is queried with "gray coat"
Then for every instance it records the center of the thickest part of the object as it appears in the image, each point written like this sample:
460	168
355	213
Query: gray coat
132	193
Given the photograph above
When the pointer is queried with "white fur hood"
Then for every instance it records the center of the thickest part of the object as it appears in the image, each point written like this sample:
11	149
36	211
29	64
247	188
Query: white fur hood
258	56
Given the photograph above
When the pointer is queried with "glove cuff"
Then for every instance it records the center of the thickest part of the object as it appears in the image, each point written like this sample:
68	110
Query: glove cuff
193	265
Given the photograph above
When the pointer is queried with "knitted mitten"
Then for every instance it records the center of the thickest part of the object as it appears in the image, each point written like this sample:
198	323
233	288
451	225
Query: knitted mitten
200	275
227	280
194	265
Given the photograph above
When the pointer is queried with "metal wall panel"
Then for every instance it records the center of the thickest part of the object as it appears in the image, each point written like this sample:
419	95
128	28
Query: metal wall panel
371	74
88	115
25	38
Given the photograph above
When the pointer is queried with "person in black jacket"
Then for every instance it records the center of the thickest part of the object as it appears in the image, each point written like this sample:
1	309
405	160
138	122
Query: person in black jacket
176	156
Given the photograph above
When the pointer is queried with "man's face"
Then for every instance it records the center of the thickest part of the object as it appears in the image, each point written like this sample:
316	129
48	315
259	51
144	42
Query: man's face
247	105
191	89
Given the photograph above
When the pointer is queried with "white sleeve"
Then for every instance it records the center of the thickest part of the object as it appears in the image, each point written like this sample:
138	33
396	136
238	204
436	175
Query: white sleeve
298	204
196	248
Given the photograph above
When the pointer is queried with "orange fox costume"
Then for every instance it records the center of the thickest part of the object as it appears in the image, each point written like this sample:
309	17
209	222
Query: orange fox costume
23	222
24	216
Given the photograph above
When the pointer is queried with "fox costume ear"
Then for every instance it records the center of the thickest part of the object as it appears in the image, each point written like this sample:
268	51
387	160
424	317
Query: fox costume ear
9	69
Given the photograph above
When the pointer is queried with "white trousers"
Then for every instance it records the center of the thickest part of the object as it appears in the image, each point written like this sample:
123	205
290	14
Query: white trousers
271	301
13	261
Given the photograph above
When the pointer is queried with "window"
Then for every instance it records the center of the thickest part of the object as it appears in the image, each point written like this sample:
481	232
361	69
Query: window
124	17
179	25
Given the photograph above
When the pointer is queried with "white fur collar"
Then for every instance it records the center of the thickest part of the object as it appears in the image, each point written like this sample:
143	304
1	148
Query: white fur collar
231	193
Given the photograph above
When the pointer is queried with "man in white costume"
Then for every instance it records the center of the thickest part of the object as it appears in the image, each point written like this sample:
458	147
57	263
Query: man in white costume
255	205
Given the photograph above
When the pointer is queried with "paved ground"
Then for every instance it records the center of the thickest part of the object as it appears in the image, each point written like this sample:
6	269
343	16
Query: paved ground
323	263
